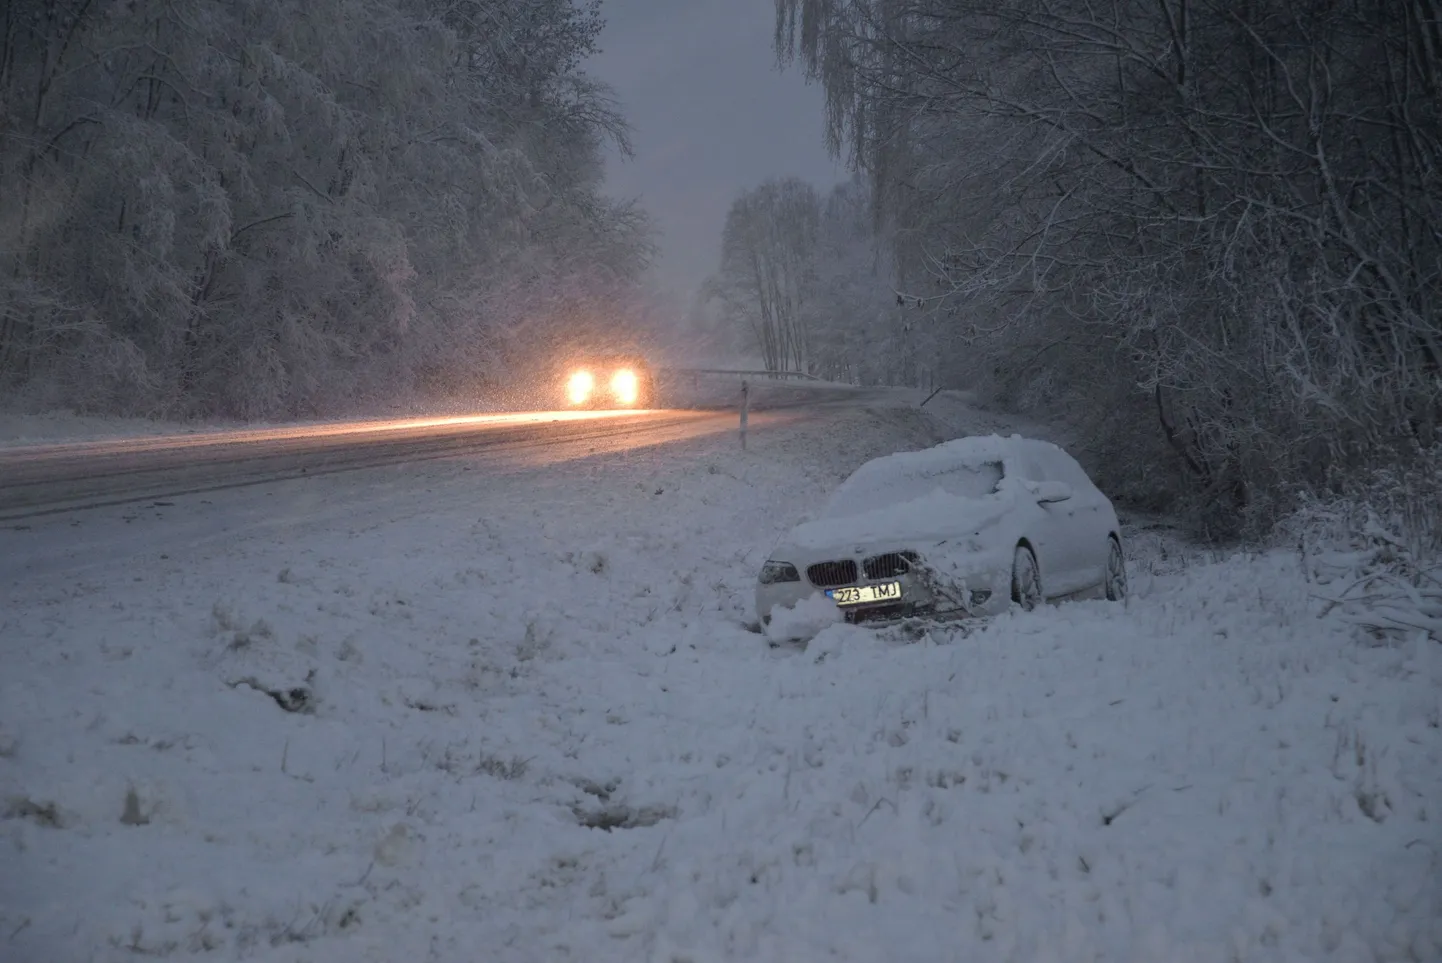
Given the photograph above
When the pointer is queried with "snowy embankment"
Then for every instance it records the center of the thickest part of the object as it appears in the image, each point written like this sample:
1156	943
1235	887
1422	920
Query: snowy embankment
522	720
58	427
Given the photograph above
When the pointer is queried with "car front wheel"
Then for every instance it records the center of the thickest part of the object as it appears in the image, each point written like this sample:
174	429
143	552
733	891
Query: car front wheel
1025	579
1116	572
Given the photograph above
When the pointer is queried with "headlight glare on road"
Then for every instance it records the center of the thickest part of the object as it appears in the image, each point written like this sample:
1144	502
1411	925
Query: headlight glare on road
773	572
625	386
579	388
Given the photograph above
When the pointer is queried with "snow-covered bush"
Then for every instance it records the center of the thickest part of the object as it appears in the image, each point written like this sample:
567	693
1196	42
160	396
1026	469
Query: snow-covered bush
1375	551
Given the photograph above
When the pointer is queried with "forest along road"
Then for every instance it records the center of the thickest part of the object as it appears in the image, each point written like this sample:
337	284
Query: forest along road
47	479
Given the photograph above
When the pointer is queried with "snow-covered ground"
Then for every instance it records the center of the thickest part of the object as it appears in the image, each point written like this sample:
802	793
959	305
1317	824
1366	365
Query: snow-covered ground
517	716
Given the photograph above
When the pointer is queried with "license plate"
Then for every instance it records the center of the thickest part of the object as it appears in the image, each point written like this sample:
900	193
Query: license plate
862	594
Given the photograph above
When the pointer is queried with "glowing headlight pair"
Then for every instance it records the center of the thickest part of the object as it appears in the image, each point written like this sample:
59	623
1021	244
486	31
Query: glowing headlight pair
625	386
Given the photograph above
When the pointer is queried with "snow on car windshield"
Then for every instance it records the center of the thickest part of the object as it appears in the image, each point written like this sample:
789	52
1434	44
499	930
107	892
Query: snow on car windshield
867	491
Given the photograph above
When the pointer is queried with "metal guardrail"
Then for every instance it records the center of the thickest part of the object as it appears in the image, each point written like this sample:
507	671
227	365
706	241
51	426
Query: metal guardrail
736	372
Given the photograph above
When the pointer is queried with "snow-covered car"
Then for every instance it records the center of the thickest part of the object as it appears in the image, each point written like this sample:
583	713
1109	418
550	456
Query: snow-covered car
967	528
613	381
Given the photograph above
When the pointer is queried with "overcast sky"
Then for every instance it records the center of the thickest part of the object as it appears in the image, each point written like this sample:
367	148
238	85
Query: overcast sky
711	116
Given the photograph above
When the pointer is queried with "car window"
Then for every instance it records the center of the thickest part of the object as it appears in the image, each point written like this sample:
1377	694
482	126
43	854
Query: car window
1025	461
971	481
1042	462
870	491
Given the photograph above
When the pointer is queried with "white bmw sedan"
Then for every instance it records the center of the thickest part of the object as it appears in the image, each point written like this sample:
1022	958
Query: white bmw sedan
967	528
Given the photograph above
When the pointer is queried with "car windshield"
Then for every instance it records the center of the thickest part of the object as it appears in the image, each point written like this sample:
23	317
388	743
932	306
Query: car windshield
864	492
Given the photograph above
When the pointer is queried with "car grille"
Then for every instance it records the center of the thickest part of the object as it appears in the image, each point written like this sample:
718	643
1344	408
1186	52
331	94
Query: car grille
882	613
889	565
831	574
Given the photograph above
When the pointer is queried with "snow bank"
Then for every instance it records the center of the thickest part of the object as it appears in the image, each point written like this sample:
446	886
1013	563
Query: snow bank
804	620
517	717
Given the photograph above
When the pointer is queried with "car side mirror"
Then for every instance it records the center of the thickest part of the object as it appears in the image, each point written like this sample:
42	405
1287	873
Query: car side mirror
1051	491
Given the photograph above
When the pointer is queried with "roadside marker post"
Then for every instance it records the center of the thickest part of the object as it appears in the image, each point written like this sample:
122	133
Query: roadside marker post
745	410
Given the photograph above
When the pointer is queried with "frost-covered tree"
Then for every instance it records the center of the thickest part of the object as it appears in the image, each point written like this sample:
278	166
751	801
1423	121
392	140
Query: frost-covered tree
767	274
270	206
861	331
811	280
1206	228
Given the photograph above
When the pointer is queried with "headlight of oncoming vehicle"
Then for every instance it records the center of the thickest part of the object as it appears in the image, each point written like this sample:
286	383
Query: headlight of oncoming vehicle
578	389
773	572
625	386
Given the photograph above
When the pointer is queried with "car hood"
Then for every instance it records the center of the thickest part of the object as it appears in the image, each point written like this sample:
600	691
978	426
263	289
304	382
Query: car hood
918	523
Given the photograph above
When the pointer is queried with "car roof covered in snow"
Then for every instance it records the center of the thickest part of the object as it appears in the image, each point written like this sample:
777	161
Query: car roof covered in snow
908	520
947	456
902	495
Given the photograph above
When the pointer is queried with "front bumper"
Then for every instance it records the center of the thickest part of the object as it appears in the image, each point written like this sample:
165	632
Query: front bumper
915	595
922	596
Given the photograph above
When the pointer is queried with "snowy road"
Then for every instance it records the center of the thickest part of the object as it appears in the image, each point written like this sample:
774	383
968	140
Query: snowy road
506	709
40	479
